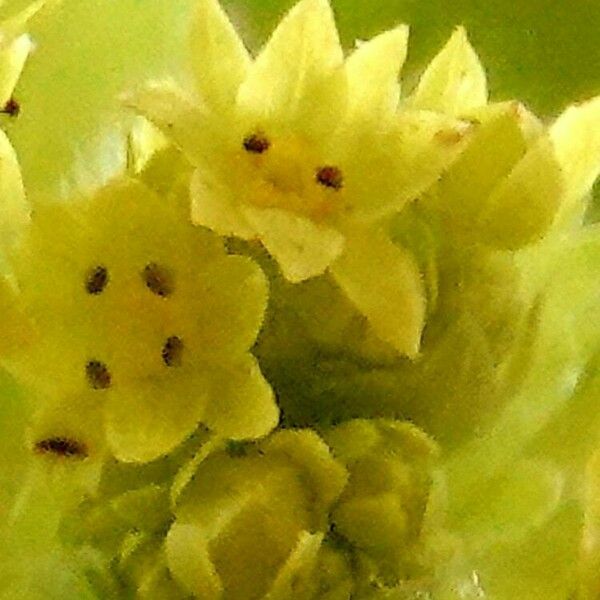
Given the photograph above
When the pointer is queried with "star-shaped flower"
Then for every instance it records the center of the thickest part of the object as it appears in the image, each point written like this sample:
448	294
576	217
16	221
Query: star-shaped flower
307	152
133	307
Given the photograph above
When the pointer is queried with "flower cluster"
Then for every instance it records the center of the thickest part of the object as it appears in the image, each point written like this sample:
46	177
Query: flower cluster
315	340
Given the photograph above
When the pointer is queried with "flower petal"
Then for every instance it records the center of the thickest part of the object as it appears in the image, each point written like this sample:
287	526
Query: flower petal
384	169
521	209
460	195
231	315
384	283
219	59
302	248
14	209
148	419
372	71
18	330
67	440
189	561
298	78
143	143
576	139
454	82
241	404
214	206
321	471
12	61
296	579
187	123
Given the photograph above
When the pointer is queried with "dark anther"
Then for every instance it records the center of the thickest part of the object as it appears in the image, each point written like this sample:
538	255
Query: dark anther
256	143
97	375
172	351
12	108
61	447
158	279
96	280
330	177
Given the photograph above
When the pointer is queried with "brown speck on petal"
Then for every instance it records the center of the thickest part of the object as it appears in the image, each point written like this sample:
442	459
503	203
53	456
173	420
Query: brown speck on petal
330	177
61	446
12	108
172	351
158	279
98	375
452	135
256	143
96	280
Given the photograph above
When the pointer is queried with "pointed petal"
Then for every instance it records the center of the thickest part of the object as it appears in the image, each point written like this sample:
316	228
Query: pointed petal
372	71
384	169
522	208
576	139
14	208
461	194
384	283
143	142
302	248
219	59
12	61
530	125
298	78
242	404
454	82
213	206
15	25
187	124
149	419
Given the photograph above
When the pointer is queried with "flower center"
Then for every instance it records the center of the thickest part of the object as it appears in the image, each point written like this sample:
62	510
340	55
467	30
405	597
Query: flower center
284	173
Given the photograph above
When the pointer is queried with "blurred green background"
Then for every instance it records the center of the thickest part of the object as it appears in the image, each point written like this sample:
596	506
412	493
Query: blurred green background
545	52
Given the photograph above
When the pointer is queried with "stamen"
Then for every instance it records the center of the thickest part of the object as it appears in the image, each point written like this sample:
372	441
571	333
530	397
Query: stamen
61	446
96	280
256	143
158	279
330	177
172	351
98	375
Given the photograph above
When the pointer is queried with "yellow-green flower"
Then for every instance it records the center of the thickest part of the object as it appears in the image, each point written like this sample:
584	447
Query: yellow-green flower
143	318
518	179
250	524
307	152
381	510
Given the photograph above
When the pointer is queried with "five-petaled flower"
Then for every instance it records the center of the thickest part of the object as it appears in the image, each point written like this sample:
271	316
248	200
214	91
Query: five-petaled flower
118	328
